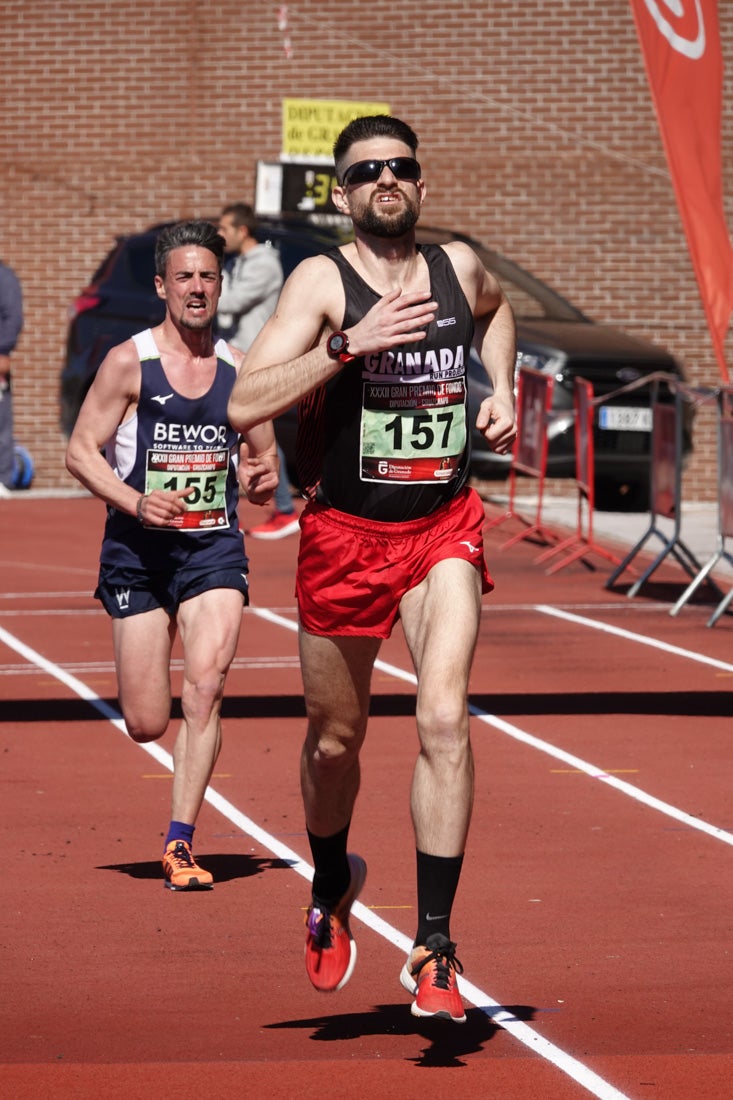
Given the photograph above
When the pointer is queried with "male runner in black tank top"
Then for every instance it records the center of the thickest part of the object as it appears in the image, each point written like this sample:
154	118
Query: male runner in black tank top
374	343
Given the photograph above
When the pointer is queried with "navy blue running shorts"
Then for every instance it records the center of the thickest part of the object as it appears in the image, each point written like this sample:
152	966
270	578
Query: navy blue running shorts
124	592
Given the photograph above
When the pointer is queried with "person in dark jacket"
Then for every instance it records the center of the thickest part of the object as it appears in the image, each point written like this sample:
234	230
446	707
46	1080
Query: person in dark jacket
11	324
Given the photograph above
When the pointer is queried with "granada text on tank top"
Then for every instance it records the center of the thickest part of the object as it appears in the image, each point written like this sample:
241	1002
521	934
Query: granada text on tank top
387	438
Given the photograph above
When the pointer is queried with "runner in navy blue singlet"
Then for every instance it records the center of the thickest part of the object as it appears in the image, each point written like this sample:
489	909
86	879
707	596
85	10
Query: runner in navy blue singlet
153	441
373	341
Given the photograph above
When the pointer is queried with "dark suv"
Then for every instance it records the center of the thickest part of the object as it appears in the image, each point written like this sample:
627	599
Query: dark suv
552	336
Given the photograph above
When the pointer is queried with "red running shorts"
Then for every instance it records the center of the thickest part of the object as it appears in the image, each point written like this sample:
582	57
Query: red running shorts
352	572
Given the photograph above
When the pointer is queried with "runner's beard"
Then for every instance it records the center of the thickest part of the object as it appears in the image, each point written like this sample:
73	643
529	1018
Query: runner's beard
195	321
378	224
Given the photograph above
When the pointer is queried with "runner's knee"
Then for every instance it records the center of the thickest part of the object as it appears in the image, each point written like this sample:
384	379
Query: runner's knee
201	697
333	750
142	732
443	726
145	719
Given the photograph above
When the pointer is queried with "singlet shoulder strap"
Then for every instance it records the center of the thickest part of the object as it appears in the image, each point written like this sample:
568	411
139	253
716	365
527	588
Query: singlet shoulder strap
145	344
223	351
147	348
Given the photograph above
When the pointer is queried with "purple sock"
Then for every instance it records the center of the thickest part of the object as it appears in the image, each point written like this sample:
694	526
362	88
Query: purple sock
179	830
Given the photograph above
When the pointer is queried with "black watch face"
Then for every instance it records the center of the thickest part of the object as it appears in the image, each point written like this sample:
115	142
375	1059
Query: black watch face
337	342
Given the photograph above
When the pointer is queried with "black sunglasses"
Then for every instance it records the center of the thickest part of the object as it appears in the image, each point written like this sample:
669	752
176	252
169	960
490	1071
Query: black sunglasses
367	171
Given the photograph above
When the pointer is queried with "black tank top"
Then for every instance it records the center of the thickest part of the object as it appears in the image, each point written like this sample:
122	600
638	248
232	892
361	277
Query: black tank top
387	438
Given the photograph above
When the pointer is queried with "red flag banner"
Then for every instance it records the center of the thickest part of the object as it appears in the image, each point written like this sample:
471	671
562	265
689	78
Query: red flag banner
680	42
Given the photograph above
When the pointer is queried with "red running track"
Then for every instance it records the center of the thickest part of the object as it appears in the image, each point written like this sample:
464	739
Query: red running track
593	918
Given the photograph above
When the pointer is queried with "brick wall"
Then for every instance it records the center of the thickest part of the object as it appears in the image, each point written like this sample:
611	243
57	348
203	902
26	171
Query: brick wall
538	134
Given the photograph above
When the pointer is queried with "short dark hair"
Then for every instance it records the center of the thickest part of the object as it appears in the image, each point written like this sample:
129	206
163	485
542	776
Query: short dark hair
201	233
241	213
372	126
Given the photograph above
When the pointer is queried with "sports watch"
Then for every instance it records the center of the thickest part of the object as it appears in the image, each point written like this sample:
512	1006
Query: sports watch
337	347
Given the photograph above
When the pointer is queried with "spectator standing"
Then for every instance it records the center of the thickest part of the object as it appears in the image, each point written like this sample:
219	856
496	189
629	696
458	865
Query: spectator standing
251	282
11	324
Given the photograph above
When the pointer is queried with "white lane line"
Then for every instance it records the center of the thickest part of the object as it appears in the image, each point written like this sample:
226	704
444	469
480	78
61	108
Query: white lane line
522	1032
92	668
630	636
47	595
610	780
547	747
651	606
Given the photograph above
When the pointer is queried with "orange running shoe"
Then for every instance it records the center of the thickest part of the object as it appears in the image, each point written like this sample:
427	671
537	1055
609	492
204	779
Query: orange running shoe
330	951
430	973
182	871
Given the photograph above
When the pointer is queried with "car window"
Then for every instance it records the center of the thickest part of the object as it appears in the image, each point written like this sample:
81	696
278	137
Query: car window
526	308
106	266
141	263
296	246
531	299
293	251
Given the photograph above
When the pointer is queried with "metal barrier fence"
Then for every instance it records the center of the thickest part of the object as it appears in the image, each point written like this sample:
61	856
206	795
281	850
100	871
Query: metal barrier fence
580	545
666	489
725	507
665	496
529	456
534	418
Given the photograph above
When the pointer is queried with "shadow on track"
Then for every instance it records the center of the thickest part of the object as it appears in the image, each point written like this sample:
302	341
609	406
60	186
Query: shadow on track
696	703
223	866
448	1043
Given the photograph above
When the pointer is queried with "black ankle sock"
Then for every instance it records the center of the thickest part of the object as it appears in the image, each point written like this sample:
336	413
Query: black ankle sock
332	874
437	882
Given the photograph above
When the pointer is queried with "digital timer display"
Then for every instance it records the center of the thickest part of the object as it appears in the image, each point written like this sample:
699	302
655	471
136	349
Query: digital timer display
306	188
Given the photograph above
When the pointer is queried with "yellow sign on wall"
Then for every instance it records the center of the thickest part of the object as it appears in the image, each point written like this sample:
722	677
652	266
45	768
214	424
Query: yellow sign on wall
310	126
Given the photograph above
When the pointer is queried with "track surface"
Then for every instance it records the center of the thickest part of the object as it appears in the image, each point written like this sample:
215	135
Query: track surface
594	914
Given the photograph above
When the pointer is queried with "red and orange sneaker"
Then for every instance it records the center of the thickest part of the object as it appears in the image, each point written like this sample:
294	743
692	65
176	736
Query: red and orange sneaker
182	871
277	526
330	950
430	973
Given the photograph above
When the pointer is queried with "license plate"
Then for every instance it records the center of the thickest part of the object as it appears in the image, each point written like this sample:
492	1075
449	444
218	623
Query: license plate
621	418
